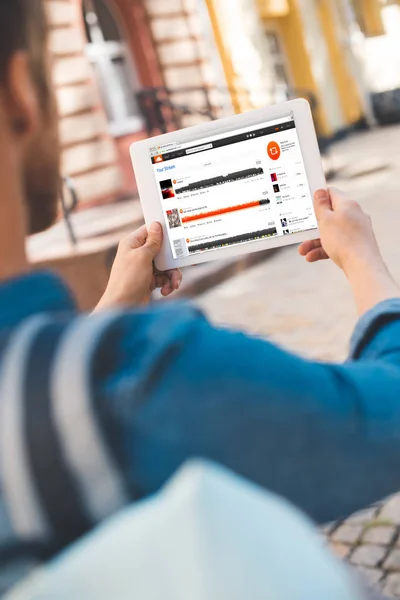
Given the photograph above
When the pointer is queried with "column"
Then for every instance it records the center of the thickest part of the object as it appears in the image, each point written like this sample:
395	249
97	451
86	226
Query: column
369	16
346	86
295	37
225	55
244	52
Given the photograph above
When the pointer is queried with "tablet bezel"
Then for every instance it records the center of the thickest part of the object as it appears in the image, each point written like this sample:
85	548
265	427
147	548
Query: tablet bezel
149	193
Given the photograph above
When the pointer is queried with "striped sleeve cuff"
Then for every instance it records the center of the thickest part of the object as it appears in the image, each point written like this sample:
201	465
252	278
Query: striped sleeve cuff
371	324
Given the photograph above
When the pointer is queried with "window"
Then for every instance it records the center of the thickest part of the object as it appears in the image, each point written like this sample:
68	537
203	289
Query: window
113	68
278	60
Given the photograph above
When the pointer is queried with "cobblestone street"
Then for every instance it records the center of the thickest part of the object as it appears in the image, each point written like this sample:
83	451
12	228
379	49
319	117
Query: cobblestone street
308	309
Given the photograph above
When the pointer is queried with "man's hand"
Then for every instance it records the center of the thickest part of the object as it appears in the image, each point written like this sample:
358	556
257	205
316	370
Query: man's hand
133	277
348	239
346	231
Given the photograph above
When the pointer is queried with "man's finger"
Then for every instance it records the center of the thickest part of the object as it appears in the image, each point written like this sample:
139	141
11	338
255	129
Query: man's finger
165	285
160	280
134	240
169	281
337	197
154	239
167	289
316	255
175	276
322	204
309	245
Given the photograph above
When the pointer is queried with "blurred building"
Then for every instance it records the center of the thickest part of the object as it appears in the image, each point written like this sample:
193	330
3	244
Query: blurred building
126	69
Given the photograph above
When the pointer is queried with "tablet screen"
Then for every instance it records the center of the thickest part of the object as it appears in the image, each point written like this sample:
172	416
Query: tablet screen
234	188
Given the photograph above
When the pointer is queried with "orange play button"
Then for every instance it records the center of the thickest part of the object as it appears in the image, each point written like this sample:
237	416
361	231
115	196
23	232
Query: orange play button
274	150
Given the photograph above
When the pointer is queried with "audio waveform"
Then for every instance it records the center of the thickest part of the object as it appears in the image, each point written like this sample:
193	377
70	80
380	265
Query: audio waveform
231	177
237	239
223	211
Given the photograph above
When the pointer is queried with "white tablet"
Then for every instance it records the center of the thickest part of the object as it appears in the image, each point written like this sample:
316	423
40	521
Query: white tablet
234	186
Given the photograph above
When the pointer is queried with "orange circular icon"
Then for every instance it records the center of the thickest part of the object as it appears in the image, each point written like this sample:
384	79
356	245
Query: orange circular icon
274	150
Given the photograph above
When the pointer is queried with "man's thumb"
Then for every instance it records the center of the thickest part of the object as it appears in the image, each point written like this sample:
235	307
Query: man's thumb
154	239
322	203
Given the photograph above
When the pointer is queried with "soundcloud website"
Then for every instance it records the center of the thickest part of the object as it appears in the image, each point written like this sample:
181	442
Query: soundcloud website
231	189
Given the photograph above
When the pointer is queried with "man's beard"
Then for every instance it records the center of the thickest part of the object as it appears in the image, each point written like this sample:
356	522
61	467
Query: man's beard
42	210
42	184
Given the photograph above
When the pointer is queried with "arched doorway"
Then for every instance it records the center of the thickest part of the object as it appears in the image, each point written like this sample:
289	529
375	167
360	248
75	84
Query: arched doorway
114	68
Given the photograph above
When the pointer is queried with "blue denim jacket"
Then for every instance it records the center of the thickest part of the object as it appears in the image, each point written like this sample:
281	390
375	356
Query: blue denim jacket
99	411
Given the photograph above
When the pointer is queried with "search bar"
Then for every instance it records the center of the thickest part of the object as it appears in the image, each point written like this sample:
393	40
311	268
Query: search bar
199	149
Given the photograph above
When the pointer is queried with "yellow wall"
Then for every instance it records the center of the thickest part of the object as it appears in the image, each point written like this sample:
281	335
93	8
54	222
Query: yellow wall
290	27
291	31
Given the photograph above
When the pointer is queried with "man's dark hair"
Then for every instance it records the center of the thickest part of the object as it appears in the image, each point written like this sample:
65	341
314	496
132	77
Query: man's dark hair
23	27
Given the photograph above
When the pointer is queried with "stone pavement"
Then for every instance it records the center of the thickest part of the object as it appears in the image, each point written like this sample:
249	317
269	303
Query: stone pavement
308	309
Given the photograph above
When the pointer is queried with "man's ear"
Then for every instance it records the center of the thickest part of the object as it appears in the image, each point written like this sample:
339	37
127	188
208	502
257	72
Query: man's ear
21	97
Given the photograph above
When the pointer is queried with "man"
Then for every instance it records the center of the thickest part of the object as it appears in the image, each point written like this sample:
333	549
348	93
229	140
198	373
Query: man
99	411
